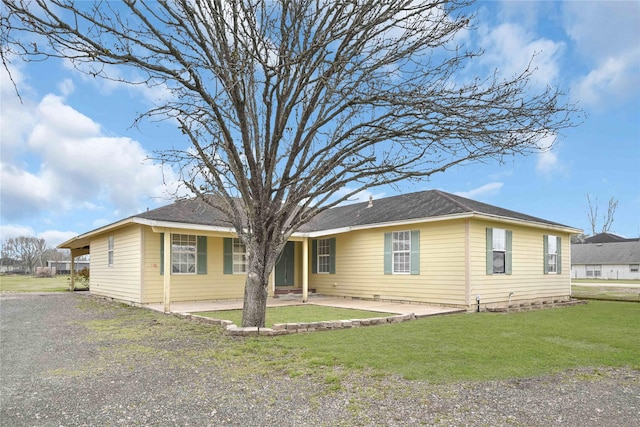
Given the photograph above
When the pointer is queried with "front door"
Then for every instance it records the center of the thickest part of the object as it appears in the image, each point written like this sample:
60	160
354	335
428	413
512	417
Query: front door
285	266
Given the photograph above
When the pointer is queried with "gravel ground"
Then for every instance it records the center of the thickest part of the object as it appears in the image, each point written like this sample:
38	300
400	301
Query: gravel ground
70	360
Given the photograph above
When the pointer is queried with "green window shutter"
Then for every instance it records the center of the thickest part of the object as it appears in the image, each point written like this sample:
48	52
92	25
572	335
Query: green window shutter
332	255
227	255
201	246
508	256
314	257
489	250
559	258
415	252
388	258
161	253
545	253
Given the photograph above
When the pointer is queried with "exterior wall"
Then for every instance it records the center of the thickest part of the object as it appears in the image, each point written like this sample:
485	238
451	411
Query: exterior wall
360	266
189	287
121	280
527	281
609	272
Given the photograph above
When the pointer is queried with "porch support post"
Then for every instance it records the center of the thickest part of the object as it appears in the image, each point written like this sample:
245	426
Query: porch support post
72	282
166	296
305	269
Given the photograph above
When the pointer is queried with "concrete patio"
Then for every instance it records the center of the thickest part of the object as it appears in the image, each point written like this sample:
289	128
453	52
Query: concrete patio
419	310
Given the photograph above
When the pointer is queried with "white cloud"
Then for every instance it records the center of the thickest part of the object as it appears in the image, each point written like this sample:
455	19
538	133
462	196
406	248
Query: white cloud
511	49
489	189
58	160
548	162
55	237
8	231
615	78
607	35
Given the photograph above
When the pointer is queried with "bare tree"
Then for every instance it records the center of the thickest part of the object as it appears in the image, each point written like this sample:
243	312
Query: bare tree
293	106
27	249
607	221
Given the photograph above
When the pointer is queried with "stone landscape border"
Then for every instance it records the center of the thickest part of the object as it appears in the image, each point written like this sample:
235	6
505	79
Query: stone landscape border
296	328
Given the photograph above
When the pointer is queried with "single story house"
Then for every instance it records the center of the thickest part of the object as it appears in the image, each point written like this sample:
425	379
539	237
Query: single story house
610	261
64	267
429	247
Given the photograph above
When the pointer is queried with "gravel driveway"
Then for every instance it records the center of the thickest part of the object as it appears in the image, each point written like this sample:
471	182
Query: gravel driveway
72	360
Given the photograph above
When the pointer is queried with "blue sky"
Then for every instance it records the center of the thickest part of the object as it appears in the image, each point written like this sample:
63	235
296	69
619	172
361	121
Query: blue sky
71	160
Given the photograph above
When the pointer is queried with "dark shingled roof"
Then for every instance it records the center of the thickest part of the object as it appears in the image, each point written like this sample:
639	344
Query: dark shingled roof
420	205
606	253
608	238
189	211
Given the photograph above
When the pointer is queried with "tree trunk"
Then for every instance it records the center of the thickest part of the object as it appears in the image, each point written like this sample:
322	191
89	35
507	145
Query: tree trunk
254	309
261	262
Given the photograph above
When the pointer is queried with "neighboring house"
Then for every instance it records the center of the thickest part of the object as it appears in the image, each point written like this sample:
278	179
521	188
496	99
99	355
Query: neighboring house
608	238
64	267
619	260
10	265
429	247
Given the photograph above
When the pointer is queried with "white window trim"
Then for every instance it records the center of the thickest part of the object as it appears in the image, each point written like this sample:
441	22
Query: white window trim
195	254
238	267
502	250
552	268
110	250
407	252
323	245
593	268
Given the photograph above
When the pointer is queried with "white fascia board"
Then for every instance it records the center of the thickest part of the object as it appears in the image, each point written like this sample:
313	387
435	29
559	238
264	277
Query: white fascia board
555	227
159	226
69	243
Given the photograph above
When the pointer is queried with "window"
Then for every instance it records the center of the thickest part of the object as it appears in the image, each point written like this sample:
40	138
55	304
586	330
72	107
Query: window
499	250
594	270
188	254
183	254
110	251
402	252
324	256
552	254
239	257
634	268
499	242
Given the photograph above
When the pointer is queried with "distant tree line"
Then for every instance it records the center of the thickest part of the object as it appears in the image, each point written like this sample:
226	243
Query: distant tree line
25	253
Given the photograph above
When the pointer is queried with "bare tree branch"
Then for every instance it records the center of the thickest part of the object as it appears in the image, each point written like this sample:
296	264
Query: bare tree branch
285	104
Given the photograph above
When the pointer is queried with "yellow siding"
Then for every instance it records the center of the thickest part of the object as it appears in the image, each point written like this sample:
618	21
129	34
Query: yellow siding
360	266
527	281
122	280
189	287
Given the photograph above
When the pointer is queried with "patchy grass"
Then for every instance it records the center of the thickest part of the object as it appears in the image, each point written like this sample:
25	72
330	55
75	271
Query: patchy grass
462	347
613	293
610	281
298	314
483	346
21	283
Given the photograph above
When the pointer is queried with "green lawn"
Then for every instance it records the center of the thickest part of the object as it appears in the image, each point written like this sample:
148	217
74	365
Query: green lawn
614	293
481	346
19	283
298	314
